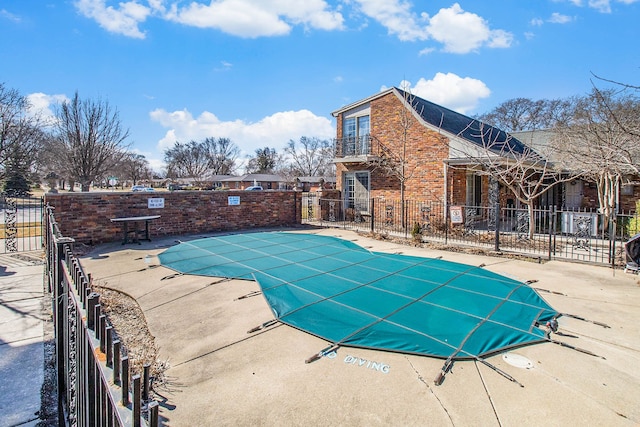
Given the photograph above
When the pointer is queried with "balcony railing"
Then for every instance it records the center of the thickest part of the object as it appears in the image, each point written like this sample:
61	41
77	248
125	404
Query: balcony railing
352	146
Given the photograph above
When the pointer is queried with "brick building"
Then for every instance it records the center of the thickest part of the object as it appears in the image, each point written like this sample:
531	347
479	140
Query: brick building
395	138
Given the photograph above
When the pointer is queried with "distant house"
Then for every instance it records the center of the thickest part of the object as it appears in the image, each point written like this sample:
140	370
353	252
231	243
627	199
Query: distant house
266	181
210	183
315	183
431	143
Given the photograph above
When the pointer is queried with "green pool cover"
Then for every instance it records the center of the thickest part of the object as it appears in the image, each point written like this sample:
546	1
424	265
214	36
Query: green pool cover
350	296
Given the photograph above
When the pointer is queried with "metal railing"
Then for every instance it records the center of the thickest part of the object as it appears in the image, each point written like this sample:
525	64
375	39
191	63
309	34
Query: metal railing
94	384
579	235
353	146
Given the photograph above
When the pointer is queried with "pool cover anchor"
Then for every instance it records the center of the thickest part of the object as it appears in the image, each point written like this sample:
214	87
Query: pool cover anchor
581	350
448	365
249	295
500	371
263	326
321	353
573	316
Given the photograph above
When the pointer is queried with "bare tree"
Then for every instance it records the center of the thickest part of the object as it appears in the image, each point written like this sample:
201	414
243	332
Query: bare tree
134	167
310	157
520	114
21	136
526	172
602	141
201	160
223	155
187	161
393	157
265	161
90	139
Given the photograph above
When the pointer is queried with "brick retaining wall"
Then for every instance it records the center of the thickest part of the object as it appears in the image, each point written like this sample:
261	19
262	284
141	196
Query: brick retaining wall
86	216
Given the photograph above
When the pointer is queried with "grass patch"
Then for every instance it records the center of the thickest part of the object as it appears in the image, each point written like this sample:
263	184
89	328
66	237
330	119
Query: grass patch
25	229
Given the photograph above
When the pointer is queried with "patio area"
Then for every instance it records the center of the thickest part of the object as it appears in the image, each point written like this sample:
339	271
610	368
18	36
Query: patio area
221	375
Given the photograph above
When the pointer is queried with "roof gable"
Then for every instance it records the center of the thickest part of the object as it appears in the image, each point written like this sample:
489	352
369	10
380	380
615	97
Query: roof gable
467	128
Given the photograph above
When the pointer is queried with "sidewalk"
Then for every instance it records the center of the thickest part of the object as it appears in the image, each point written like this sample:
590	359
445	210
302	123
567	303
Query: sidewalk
22	319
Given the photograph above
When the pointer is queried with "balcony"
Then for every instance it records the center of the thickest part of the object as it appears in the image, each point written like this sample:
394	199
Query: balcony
355	149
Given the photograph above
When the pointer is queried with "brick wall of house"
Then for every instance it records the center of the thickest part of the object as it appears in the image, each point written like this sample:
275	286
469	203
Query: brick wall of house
86	216
457	186
627	201
425	151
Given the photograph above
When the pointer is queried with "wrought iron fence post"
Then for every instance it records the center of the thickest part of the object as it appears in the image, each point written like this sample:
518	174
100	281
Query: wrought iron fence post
146	370
124	378
446	222
497	219
116	361
612	238
60	313
153	414
552	229
372	206
137	401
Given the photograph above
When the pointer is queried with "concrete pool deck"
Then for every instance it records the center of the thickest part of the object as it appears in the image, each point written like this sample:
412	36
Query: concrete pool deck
221	375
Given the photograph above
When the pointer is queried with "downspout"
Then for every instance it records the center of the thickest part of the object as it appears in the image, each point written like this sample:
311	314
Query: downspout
446	184
446	201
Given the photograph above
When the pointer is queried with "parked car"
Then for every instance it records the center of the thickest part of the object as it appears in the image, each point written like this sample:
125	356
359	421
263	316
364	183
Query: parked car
253	188
138	188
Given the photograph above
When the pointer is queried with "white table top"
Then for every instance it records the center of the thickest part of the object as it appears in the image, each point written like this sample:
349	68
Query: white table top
135	218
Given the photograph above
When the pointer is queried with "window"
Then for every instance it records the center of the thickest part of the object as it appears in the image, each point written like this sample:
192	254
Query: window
356	191
626	190
349	128
474	190
355	134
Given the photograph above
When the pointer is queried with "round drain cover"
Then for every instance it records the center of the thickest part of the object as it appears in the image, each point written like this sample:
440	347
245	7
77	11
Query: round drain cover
517	360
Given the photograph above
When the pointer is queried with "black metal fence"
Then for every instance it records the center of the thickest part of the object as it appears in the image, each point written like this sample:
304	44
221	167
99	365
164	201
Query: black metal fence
94	384
20	223
549	233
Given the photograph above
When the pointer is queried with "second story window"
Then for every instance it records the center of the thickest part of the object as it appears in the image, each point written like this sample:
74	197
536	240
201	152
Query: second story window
355	135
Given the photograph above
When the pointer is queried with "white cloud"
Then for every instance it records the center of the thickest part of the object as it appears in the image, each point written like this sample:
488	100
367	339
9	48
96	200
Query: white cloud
464	32
273	131
43	104
123	20
224	66
397	17
460	94
257	18
457	30
5	14
243	18
426	51
558	18
603	6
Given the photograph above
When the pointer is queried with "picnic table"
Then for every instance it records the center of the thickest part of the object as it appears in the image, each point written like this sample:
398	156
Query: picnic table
138	233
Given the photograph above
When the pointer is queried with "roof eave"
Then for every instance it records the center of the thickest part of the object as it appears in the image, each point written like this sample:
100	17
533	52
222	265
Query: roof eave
362	102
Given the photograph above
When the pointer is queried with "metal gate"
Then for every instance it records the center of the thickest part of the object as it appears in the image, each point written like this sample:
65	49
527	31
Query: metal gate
20	223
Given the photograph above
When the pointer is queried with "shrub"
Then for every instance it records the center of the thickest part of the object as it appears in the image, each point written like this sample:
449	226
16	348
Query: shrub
416	232
633	226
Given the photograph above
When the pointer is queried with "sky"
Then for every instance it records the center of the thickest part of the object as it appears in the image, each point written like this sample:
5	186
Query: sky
265	72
